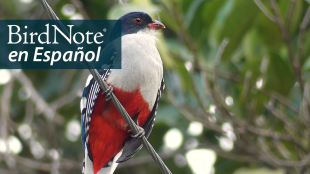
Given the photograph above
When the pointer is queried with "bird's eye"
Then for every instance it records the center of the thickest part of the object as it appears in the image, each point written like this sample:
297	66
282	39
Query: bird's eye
138	20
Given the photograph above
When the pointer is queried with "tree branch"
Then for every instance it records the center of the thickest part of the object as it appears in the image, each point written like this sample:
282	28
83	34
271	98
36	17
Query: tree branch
264	10
294	61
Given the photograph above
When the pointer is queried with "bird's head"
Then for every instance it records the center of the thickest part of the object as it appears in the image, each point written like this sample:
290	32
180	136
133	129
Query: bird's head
135	22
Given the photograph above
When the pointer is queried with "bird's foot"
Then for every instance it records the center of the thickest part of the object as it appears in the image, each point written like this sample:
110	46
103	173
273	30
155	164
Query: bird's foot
108	93
140	134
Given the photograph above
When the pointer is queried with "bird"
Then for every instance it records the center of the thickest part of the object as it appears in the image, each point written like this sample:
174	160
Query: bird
106	137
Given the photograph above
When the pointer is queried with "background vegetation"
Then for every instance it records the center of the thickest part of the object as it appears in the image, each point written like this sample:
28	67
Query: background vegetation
236	102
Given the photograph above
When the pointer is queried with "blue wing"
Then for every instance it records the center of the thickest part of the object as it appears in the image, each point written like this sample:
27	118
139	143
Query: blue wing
89	97
108	58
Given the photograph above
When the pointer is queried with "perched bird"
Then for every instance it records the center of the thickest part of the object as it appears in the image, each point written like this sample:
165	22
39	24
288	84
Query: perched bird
106	137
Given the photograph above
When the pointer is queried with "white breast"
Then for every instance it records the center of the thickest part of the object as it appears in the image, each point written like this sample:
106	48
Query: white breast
141	66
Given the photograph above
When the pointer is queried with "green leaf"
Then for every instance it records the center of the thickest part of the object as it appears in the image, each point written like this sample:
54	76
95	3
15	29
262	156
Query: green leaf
259	171
167	4
252	46
191	12
201	24
297	16
210	11
253	66
169	21
279	75
306	51
269	33
283	6
237	24
219	21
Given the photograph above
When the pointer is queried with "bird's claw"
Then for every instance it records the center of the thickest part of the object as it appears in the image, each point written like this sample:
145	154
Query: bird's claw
140	134
108	93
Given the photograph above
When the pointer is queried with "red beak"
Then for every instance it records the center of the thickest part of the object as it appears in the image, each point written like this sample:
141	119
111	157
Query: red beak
156	25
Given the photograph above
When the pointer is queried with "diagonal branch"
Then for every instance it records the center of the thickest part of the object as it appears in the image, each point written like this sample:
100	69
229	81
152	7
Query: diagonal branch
41	105
294	61
289	14
302	31
190	116
264	10
304	162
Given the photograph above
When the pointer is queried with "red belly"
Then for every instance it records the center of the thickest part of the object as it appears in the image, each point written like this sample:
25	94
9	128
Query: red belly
108	129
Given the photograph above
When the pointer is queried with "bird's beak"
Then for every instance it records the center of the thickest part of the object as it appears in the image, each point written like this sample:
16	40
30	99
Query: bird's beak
156	25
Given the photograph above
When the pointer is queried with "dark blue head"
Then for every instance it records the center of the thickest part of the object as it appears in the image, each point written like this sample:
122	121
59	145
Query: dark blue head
136	21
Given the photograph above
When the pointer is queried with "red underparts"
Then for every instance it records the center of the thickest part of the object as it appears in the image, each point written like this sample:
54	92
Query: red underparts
108	129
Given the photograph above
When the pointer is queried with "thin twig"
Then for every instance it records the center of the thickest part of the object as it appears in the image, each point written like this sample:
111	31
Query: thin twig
289	123
304	162
60	102
249	106
42	106
252	148
29	112
5	112
218	150
190	116
304	108
290	14
235	78
264	10
197	95
220	52
282	149
280	99
275	135
64	164
302	31
294	61
246	85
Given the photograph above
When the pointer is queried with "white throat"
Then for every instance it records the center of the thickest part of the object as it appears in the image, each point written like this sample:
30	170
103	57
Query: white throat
141	66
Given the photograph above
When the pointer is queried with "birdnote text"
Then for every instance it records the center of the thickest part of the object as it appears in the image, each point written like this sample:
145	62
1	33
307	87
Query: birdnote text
54	56
45	44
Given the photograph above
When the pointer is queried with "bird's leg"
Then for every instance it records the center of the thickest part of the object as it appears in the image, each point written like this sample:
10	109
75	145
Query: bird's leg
108	93
140	134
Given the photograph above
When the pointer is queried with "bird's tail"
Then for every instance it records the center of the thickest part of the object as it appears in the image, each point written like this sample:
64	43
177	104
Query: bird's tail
108	169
